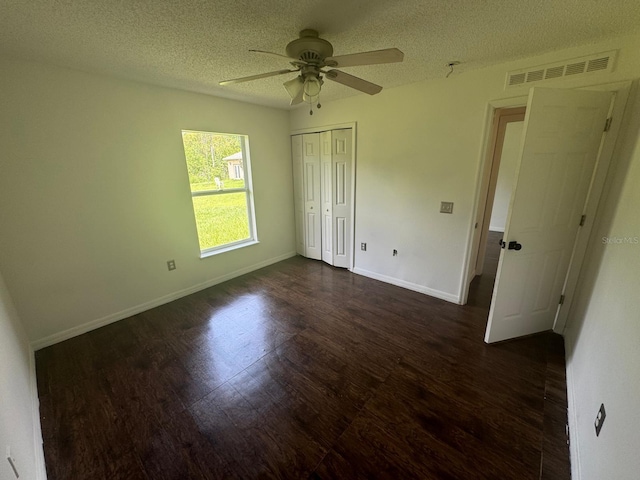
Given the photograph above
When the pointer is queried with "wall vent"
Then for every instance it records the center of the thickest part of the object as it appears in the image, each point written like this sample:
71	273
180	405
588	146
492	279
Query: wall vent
599	62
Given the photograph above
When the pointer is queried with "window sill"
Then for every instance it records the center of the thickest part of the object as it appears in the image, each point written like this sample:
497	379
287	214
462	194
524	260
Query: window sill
210	253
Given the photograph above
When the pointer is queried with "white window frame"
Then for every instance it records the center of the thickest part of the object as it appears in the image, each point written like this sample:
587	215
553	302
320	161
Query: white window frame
248	189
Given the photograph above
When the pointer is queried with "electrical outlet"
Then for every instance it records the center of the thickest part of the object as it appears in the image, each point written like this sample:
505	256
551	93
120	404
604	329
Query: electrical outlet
171	264
12	462
600	419
363	247
395	252
446	207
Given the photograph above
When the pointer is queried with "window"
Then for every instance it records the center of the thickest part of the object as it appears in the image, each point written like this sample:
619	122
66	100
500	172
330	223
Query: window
220	181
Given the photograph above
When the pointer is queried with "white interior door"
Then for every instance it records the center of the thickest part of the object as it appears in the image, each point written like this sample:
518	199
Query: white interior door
562	135
326	196
342	152
311	179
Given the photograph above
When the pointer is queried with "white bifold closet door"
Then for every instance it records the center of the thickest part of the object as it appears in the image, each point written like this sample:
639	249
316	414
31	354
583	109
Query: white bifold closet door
322	192
306	159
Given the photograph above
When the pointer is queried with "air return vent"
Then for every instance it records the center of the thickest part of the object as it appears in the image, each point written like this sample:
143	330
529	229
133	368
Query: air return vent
600	62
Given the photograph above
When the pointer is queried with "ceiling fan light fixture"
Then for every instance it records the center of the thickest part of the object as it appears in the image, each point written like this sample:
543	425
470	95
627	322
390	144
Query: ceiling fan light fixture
294	86
311	88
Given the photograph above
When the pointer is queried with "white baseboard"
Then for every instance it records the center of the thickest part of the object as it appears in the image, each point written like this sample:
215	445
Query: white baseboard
408	285
41	469
572	418
114	317
496	229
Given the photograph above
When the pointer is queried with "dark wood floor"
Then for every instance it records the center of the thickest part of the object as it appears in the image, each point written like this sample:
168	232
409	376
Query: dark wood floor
300	370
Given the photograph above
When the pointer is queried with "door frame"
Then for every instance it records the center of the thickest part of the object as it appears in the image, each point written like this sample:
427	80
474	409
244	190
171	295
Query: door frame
341	126
621	91
501	118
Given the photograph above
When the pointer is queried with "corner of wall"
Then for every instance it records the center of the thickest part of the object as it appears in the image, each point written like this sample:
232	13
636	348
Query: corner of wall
572	417
38	444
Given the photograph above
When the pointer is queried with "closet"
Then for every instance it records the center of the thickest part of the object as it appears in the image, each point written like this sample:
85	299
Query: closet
322	183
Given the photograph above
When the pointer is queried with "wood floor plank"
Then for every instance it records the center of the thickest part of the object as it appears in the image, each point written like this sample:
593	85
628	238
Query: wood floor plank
301	370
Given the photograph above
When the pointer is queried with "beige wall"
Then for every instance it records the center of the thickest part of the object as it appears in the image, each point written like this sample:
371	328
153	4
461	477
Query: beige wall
19	424
94	195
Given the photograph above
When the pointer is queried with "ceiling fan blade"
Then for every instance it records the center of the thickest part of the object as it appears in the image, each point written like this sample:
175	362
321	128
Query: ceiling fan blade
295	89
374	57
256	77
353	82
269	53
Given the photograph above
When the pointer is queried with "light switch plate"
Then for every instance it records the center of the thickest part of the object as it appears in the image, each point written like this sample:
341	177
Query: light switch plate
446	207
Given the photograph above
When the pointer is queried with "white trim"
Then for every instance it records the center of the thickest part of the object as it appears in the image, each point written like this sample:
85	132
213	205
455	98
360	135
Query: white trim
222	191
354	143
227	247
408	285
496	229
572	418
114	317
41	470
323	128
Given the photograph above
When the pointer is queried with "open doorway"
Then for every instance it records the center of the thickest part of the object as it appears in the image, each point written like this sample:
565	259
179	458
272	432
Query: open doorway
506	138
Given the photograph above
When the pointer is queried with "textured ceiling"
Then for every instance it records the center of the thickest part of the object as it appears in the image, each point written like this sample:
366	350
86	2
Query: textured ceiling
193	44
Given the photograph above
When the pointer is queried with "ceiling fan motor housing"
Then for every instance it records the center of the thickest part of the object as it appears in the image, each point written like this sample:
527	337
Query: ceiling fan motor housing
309	47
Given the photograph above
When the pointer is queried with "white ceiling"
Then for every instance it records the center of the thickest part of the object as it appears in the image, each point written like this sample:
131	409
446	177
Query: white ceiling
193	44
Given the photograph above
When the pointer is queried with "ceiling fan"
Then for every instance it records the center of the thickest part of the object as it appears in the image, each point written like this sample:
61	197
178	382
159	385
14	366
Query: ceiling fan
312	56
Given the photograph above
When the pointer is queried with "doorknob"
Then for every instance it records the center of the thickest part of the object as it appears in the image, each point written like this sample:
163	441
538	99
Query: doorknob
514	246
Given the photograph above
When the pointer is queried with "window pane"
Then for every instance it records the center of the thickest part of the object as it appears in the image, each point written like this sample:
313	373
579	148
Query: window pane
214	160
221	219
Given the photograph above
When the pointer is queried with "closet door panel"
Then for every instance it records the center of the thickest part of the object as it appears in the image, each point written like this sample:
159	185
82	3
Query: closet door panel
326	193
341	143
311	192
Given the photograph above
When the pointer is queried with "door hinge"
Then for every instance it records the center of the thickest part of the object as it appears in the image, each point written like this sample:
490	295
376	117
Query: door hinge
582	220
607	125
561	300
